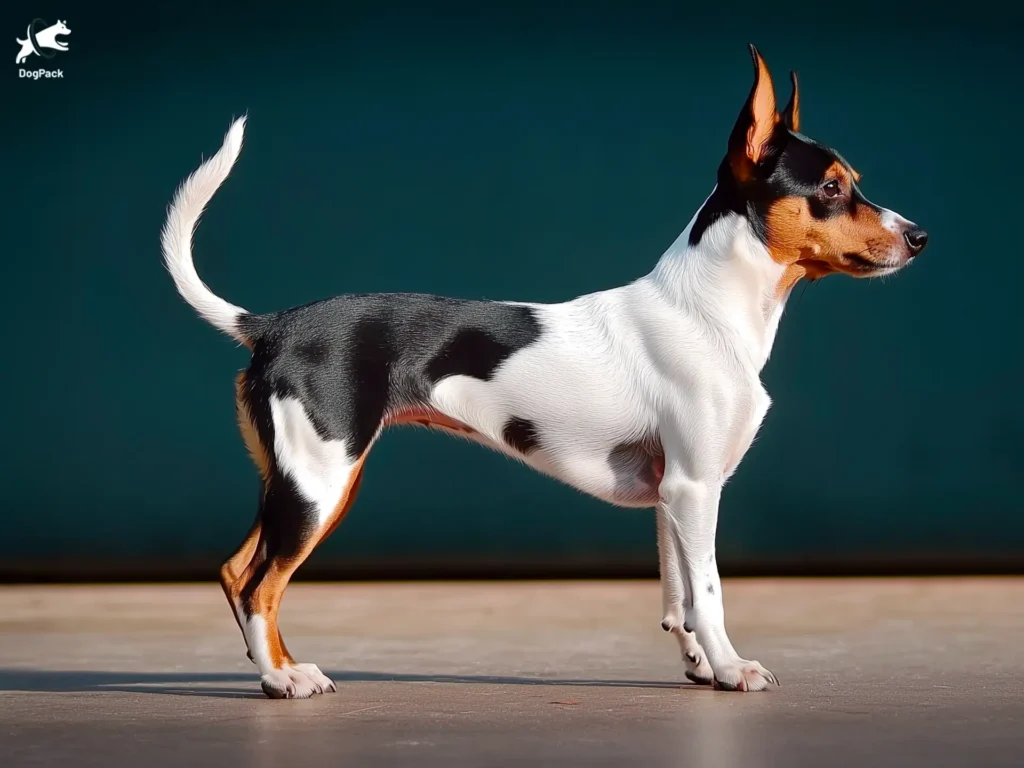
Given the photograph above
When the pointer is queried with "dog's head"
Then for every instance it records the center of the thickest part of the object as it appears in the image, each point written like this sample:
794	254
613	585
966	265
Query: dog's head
802	199
60	28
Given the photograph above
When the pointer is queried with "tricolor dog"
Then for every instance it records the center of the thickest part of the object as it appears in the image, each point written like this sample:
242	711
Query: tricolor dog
646	395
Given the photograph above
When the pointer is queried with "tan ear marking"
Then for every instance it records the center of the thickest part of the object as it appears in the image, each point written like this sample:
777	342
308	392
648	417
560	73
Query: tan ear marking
791	114
763	112
755	124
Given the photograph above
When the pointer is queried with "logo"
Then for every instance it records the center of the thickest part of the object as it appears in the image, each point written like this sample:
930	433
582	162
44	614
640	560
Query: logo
41	40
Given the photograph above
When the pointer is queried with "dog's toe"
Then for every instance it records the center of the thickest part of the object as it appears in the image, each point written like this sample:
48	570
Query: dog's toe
297	682
323	683
743	675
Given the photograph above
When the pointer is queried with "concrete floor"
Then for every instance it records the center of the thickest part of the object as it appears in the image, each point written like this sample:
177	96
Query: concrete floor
879	673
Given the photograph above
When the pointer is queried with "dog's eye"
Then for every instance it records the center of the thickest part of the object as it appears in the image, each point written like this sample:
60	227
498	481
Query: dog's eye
831	188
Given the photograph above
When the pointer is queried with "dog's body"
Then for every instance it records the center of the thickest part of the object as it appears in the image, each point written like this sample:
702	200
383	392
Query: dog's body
47	38
643	395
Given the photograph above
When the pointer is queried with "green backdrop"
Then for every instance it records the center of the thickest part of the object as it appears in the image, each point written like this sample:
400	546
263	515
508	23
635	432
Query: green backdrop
497	151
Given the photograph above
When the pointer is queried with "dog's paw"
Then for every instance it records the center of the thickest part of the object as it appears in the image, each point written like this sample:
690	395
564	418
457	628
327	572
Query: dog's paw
742	675
322	681
289	683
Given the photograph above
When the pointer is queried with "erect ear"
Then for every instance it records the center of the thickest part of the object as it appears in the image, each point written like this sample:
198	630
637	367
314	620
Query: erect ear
755	124
791	114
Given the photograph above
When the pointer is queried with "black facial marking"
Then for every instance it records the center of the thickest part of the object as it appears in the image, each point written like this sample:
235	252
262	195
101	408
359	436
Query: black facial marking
666	625
353	359
521	434
711	589
794	166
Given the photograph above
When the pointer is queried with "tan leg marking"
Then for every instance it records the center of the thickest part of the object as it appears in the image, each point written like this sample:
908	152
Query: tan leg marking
266	597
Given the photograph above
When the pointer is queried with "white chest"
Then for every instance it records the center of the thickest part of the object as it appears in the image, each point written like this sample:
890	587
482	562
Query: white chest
746	430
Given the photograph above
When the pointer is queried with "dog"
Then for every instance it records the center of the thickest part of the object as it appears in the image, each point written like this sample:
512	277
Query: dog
646	395
46	38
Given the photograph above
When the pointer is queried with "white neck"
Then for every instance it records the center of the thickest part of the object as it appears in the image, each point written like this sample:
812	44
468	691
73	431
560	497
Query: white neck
728	282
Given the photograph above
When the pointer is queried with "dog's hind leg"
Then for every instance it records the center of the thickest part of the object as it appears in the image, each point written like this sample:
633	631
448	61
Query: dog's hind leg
292	527
232	569
231	576
311	485
673	598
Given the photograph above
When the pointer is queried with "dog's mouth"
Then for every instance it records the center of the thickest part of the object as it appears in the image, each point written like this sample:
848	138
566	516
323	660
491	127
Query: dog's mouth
863	267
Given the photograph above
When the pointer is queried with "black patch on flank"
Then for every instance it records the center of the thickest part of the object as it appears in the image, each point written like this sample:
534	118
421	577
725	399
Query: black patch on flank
711	589
352	359
372	355
521	434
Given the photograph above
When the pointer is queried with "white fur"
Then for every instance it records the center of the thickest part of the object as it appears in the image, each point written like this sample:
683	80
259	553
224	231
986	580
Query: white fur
321	469
893	222
255	629
176	239
299	681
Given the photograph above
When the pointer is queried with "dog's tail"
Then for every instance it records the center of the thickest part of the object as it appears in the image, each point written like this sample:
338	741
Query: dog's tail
176	238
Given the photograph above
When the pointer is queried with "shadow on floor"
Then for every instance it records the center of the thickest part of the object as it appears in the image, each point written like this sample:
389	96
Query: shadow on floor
239	685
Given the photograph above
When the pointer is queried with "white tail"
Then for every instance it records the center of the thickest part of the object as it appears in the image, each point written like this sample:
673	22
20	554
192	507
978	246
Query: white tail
176	238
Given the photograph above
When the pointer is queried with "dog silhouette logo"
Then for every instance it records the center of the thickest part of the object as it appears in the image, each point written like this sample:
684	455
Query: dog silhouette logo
42	40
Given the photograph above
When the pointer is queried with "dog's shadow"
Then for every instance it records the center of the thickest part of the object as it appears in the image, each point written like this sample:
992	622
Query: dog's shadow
239	685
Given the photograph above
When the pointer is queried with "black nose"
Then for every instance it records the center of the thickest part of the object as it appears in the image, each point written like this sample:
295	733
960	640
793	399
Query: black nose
916	239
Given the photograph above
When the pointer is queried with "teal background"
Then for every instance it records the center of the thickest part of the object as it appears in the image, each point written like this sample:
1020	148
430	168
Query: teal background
500	151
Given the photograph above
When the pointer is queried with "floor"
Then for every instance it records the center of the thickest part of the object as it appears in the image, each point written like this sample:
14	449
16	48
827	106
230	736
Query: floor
874	672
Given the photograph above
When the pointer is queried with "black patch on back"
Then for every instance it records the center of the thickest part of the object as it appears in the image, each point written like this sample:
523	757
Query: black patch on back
478	351
353	359
521	434
313	352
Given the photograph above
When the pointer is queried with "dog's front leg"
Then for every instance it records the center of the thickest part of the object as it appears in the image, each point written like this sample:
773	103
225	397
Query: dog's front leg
672	597
690	510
